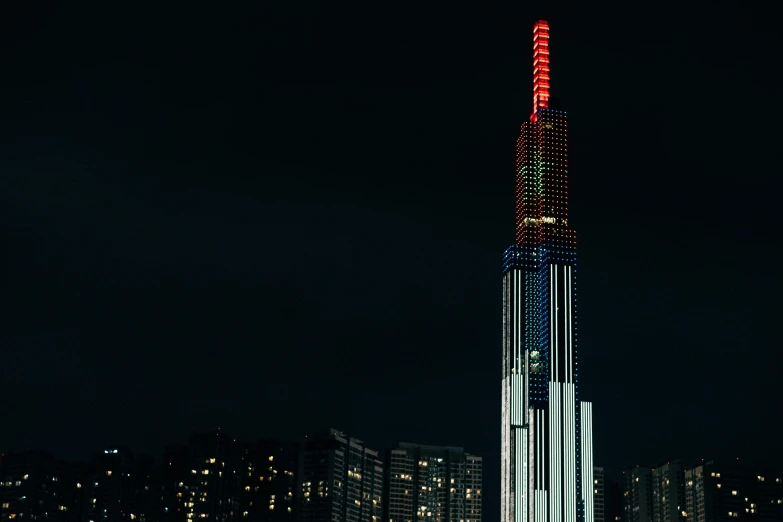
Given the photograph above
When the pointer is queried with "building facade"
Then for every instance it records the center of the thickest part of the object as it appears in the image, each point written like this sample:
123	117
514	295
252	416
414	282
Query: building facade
340	480
268	482
637	495
728	492
433	484
546	438
599	495
119	488
35	486
668	492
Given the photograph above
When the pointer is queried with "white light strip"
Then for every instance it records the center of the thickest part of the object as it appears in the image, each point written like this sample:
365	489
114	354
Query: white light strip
552	490
571	323
532	463
505	436
556	453
570	473
587	461
552	351
514	318
567	299
557	333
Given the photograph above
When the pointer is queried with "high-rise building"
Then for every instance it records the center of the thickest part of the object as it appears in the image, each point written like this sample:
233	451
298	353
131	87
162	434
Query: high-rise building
637	495
210	489
433	484
268	484
171	479
340	479
119	488
668	491
546	441
35	486
598	495
728	492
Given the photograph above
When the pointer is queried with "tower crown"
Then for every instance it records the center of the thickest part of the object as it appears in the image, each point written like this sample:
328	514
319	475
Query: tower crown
540	67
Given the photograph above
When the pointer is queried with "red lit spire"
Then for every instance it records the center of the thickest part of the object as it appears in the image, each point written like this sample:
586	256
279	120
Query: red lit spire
540	66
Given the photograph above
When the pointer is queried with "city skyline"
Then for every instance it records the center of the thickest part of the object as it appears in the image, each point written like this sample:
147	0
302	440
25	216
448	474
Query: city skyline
214	217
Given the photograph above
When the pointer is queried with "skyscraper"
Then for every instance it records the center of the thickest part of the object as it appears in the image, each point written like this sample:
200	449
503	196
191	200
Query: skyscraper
668	491
211	485
341	480
637	495
433	484
268	482
547	461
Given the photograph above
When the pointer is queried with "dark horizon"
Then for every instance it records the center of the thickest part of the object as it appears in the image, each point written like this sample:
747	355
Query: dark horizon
291	217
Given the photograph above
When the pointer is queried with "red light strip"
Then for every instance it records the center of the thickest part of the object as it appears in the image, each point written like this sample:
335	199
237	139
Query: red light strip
540	66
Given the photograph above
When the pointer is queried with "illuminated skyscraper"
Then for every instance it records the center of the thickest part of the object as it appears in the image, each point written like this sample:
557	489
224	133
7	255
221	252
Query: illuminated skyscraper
547	461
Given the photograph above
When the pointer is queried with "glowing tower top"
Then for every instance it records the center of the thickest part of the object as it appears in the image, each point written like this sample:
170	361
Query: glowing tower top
540	67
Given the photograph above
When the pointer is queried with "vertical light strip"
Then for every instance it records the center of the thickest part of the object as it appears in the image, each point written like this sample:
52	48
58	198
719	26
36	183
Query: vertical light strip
556	325
571	323
567	447
540	448
569	346
514	315
518	318
571	471
567	354
590	461
532	463
552	467
525	486
516	475
566	456
520	315
559	451
555	471
587	461
552	351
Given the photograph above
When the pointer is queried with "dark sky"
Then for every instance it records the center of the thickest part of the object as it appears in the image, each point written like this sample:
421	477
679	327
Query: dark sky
288	217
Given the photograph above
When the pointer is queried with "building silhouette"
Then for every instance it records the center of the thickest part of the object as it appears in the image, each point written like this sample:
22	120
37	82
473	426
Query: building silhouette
432	483
599	495
340	479
35	486
668	491
637	495
730	492
119	487
268	482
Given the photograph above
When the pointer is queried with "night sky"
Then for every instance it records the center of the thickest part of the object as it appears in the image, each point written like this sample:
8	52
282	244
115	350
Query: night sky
289	217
